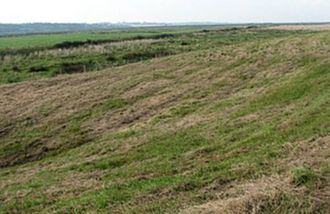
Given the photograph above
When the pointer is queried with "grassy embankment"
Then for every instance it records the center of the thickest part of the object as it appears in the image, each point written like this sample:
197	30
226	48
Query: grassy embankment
235	126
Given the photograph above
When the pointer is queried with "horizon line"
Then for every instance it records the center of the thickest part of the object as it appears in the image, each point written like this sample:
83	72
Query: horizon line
169	23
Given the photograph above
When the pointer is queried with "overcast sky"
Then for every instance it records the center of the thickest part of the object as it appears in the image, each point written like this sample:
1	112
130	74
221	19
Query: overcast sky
22	11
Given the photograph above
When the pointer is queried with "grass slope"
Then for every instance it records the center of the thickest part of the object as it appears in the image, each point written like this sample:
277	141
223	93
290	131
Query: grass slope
236	128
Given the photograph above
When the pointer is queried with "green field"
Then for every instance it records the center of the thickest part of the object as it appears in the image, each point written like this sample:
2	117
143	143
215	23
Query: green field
209	121
49	40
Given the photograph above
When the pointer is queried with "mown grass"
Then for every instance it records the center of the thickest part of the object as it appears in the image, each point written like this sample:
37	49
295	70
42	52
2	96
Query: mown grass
136	141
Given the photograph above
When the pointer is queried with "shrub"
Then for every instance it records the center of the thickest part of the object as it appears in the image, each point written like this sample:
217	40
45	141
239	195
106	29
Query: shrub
70	68
38	69
143	55
164	36
16	68
67	44
111	58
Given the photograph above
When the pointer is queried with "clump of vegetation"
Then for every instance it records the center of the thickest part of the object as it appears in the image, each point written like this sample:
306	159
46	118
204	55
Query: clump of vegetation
115	103
38	69
304	176
146	54
70	68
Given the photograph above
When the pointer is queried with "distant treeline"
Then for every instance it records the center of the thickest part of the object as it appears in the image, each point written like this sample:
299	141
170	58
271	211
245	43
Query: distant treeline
16	29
